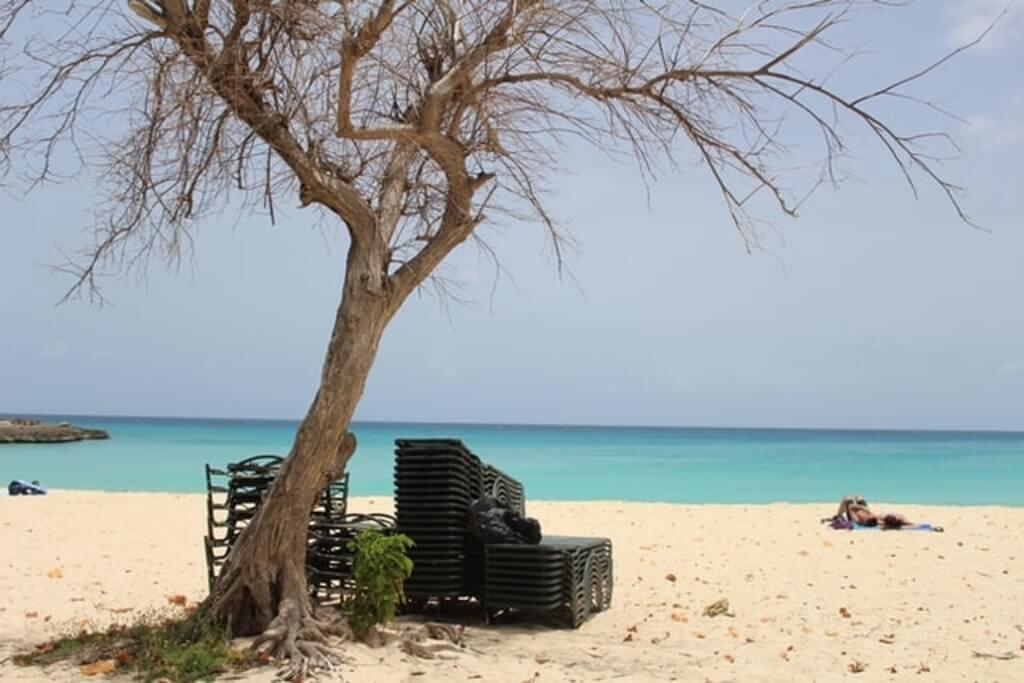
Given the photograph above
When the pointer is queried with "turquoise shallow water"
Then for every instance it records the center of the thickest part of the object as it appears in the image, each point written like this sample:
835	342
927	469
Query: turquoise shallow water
570	463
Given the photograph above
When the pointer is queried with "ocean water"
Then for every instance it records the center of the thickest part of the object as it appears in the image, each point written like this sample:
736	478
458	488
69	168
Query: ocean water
568	463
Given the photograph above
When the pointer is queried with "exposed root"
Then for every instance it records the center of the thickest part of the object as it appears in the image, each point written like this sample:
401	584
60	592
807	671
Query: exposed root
411	641
417	649
301	640
453	633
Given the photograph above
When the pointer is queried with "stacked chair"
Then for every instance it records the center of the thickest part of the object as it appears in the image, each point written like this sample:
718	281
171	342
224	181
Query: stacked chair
499	485
332	503
566	578
234	493
563	578
328	559
435	482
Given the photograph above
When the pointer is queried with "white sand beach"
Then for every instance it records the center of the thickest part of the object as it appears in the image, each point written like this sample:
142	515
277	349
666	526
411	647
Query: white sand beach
808	602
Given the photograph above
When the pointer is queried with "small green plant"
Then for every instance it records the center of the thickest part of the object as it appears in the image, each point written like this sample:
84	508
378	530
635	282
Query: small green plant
380	567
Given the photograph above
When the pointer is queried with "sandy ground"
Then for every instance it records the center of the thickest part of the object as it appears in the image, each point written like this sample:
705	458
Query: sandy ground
808	602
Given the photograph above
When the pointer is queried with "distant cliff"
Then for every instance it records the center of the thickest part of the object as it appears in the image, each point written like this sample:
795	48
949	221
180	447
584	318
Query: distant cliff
18	430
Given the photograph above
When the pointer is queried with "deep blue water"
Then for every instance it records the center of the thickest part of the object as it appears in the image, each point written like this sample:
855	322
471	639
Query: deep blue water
569	463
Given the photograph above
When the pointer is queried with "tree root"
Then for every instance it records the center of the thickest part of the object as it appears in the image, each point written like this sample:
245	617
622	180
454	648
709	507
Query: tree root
418	649
411	640
301	639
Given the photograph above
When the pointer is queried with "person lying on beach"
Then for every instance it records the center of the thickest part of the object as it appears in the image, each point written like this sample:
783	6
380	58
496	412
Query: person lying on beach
856	510
862	515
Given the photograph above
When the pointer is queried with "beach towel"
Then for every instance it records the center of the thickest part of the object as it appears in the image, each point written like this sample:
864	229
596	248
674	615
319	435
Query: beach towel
914	527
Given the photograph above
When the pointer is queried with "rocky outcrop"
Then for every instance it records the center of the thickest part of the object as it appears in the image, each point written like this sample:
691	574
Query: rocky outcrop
19	430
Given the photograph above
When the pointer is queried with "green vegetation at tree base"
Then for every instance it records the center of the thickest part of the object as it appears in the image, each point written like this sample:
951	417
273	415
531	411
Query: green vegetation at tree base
380	567
183	650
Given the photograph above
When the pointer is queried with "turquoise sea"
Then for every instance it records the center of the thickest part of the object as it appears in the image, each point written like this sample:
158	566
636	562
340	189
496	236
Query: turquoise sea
691	465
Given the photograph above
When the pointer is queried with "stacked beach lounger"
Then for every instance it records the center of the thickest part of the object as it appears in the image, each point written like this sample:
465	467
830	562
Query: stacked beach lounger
435	482
499	485
331	527
233	495
236	492
328	558
564	578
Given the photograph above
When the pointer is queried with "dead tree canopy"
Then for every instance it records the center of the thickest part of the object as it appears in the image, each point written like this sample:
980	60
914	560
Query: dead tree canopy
412	122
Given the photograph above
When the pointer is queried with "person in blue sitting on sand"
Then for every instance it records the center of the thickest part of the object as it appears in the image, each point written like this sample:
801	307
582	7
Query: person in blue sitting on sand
24	488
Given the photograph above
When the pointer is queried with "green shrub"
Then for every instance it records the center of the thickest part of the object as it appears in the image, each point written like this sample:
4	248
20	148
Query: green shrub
380	567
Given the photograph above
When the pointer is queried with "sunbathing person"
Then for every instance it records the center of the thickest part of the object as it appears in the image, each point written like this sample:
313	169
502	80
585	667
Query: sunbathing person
856	510
862	514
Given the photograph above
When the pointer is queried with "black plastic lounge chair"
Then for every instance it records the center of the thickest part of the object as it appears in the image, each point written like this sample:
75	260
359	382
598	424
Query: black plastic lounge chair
328	558
333	501
435	481
499	485
234	494
566	578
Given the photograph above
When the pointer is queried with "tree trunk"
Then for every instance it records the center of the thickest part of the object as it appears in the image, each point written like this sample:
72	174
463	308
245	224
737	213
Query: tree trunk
266	566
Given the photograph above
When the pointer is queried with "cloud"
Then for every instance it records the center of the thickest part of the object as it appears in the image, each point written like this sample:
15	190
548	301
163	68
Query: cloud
1015	367
969	18
442	363
1002	127
59	348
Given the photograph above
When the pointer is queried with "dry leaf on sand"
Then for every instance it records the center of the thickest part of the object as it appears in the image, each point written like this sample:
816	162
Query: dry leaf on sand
104	666
717	608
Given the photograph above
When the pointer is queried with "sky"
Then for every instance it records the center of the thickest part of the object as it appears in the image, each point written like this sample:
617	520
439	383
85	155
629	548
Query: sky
873	309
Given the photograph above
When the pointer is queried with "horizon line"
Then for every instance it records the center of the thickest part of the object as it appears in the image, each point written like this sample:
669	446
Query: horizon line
474	423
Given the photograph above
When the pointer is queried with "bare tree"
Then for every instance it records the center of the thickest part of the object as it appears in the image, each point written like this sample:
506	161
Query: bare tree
410	123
